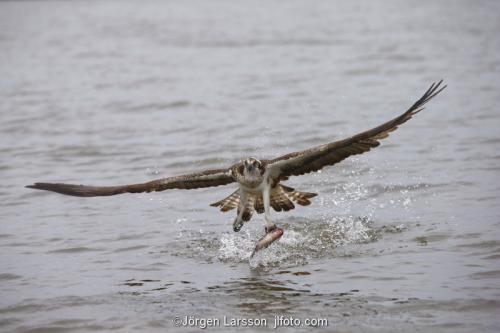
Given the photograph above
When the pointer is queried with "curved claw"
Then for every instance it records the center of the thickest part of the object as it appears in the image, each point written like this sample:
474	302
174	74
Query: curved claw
270	228
237	225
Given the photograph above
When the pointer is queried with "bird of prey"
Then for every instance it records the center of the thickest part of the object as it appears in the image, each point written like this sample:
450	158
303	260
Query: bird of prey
260	182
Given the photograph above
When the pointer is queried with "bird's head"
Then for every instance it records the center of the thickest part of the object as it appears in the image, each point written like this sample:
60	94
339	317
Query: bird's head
252	164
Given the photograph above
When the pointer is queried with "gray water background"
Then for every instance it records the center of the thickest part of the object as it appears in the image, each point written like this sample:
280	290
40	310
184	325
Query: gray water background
405	238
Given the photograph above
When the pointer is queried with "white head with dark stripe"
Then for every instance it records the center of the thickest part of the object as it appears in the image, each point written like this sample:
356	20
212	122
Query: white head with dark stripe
252	168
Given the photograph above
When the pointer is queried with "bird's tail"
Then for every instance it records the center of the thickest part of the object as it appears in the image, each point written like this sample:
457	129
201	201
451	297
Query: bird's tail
302	198
229	202
281	200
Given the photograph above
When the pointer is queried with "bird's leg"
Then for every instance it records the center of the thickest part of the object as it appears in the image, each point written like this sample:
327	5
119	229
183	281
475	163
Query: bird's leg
238	221
266	194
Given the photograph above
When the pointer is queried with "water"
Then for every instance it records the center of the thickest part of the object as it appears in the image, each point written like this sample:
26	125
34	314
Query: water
405	238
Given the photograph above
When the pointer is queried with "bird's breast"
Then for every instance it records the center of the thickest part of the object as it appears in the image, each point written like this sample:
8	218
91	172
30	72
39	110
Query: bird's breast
251	185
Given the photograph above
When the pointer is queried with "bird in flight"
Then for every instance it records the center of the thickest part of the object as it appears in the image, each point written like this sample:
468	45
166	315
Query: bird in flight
260	182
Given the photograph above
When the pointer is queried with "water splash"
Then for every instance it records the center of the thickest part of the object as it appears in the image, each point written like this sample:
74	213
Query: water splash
303	240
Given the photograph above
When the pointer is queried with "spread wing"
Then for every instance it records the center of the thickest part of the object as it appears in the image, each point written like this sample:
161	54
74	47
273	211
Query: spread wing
314	159
206	178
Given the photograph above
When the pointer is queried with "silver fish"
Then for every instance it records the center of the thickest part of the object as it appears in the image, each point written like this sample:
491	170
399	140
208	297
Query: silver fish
267	240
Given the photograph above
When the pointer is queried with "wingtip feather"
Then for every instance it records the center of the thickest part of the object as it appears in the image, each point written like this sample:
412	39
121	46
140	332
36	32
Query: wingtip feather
36	186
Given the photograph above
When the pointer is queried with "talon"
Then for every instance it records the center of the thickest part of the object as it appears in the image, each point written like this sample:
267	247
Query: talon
237	225
270	228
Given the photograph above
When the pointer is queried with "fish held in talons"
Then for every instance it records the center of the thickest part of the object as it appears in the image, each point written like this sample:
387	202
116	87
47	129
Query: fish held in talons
267	240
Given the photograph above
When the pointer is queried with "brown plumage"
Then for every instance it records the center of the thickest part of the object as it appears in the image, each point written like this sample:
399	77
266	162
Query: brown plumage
314	159
256	177
281	199
206	178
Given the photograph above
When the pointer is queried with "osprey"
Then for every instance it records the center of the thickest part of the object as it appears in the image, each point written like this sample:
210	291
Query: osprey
260	184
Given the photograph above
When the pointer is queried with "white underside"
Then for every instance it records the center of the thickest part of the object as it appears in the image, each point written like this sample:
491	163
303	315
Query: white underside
263	188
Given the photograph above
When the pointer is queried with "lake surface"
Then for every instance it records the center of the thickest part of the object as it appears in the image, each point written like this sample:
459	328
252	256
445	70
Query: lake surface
404	238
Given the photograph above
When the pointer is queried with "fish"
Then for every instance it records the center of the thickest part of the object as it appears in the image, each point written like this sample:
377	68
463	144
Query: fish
267	240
